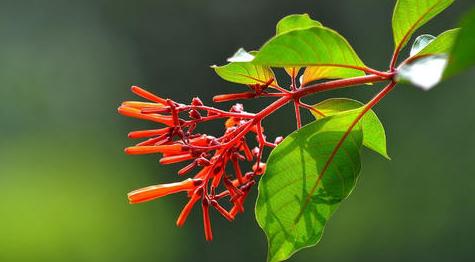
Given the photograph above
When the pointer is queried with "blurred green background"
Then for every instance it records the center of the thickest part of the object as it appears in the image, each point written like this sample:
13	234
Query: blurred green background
65	66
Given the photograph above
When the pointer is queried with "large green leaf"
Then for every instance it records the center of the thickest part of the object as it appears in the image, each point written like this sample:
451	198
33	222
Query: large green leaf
374	136
410	15
440	45
296	21
247	73
315	46
462	56
292	171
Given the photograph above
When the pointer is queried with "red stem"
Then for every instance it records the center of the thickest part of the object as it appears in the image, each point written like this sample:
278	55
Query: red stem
337	84
299	93
293	86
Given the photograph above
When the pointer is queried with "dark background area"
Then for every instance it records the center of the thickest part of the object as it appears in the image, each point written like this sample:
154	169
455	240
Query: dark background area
65	66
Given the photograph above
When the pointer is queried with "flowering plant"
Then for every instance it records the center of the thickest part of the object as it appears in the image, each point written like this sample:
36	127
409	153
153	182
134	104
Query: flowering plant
312	170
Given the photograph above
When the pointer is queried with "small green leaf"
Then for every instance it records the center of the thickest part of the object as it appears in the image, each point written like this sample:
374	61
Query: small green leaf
410	15
293	22
442	44
312	73
247	73
315	46
292	171
374	136
462	56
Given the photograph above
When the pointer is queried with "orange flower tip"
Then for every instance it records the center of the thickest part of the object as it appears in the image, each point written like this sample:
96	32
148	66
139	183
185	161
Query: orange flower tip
141	105
148	133
147	95
165	149
137	90
127	111
140	150
131	151
156	191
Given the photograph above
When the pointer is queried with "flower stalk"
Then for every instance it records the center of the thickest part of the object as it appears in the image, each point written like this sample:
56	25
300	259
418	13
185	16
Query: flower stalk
178	142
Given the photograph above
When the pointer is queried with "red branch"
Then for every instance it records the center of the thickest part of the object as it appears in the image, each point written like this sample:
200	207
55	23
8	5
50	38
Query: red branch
211	155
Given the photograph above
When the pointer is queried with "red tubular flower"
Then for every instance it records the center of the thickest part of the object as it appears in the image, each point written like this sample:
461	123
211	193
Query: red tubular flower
187	209
210	156
165	149
237	169
232	97
156	141
147	95
157	191
142	105
149	133
206	220
137	113
175	159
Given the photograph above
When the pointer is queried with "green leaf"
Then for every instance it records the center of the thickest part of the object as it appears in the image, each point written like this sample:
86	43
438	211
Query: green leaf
314	73
293	22
292	171
462	56
315	46
442	44
410	15
247	73
374	136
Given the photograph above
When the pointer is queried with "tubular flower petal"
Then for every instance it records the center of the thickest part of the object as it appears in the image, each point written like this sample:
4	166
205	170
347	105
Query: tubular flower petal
141	105
147	95
175	159
152	192
232	97
165	149
214	160
187	209
137	113
149	133
206	220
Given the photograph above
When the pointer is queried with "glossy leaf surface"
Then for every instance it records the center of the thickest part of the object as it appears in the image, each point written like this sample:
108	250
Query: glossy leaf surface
374	136
291	174
410	15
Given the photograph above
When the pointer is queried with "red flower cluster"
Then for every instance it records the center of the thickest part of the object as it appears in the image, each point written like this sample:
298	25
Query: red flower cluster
208	155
